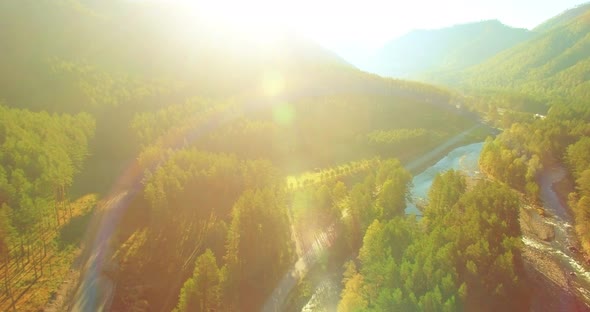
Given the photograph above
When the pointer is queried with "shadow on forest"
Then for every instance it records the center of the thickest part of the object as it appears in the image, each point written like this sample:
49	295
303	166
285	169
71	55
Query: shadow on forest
73	232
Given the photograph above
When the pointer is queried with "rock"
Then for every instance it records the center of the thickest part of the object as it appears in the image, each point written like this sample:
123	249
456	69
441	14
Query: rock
573	249
546	234
533	224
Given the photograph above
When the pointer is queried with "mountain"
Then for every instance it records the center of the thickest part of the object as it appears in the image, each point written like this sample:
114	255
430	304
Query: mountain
423	52
554	63
151	44
563	18
188	130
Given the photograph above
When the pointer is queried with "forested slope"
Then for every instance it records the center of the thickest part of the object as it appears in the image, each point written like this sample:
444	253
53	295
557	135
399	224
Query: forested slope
520	152
426	54
216	121
547	75
563	18
554	64
40	156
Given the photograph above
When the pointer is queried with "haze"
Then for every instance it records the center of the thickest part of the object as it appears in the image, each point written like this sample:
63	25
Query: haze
200	155
354	29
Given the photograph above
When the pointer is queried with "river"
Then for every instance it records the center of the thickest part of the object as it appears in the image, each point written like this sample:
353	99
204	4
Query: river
464	159
558	250
569	263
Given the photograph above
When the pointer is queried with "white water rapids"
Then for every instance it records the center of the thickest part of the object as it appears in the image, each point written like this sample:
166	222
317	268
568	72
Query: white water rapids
465	159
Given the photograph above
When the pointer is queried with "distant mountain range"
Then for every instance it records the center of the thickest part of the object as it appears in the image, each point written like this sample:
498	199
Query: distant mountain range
556	62
424	52
563	18
551	60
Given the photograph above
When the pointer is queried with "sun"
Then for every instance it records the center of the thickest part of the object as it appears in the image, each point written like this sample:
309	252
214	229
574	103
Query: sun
258	20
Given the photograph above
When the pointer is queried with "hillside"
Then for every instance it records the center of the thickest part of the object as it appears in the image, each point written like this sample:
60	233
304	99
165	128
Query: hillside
124	46
122	57
192	125
562	19
422	53
556	63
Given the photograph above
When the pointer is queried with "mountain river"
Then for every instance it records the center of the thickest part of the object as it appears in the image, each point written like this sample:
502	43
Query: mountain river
574	289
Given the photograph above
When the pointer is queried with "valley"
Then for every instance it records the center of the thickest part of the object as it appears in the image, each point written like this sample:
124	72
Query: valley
193	156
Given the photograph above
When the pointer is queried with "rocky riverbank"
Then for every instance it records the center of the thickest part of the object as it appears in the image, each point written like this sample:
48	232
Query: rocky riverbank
533	225
549	284
557	278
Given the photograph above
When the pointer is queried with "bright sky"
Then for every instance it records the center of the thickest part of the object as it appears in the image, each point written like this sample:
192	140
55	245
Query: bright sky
356	27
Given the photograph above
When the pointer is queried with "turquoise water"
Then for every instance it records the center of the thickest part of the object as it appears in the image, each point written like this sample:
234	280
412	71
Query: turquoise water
464	159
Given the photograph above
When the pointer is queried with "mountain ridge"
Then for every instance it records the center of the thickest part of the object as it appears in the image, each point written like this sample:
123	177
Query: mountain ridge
562	18
422	52
556	63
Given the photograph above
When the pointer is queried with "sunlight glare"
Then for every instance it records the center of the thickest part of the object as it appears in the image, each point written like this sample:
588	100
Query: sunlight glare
284	114
255	20
272	84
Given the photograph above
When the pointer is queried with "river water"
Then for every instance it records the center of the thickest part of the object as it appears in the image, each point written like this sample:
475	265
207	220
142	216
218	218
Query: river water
560	218
465	159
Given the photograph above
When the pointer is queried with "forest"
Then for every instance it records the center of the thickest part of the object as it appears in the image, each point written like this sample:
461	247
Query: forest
517	155
192	168
464	254
553	64
41	155
205	160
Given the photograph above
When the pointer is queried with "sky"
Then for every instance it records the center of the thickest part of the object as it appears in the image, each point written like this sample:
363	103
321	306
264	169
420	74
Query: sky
355	28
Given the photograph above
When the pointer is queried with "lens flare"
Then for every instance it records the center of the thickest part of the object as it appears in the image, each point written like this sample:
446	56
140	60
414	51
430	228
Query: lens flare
284	114
273	84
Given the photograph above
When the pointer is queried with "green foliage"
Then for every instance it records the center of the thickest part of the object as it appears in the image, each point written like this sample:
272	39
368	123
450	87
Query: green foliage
188	200
208	168
40	157
516	156
190	177
174	121
577	156
100	90
202	291
582	218
259	226
393	183
352	299
5	230
396	136
467	258
256	132
563	19
445	192
520	152
41	153
555	63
